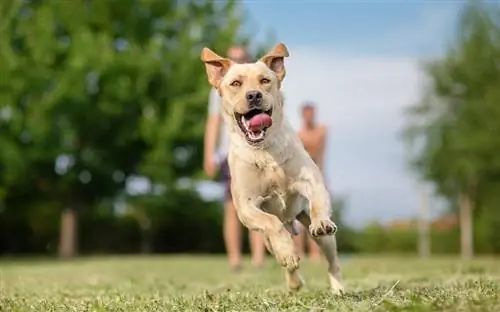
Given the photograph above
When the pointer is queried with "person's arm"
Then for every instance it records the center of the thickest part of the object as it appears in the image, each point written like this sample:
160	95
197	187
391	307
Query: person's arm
321	147
211	132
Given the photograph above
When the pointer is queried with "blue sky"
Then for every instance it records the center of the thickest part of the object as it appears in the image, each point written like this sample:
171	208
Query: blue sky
409	28
359	61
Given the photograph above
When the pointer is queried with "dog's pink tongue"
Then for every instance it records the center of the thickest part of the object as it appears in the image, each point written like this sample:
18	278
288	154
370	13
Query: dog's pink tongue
260	121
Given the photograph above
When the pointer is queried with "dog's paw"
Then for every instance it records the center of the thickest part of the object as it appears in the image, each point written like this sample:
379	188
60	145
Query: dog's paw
287	257
322	227
284	251
289	261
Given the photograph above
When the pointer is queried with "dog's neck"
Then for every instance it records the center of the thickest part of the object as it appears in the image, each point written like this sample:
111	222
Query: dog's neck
274	147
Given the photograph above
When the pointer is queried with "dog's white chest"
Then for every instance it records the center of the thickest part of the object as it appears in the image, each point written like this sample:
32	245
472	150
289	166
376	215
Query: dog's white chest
275	188
274	180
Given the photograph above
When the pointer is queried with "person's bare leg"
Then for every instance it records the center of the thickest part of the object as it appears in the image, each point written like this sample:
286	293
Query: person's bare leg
314	250
232	235
257	248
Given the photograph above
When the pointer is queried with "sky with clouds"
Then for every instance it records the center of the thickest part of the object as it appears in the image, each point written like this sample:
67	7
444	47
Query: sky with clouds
359	62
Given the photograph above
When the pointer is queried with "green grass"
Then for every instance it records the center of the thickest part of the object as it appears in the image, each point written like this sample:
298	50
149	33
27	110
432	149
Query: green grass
184	283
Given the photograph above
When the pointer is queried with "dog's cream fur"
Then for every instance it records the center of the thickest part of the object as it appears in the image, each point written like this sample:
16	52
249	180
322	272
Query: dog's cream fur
274	181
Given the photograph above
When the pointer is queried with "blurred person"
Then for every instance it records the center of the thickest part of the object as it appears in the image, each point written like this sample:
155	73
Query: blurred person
313	137
216	148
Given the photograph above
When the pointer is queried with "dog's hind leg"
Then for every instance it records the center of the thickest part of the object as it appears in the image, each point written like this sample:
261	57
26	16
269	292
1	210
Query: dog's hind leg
328	245
294	281
294	204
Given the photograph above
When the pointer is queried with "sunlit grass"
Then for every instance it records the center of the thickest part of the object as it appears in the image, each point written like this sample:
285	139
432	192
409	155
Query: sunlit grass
193	283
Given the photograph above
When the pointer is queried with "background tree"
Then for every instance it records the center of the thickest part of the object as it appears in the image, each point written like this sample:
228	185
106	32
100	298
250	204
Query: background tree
456	124
95	93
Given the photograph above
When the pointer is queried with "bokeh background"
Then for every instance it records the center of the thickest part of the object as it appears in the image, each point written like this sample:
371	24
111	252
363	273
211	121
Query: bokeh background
103	104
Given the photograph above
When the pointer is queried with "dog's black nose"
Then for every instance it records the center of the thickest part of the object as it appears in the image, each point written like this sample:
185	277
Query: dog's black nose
254	98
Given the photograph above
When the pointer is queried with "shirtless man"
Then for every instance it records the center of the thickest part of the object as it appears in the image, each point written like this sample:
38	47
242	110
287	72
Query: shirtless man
313	137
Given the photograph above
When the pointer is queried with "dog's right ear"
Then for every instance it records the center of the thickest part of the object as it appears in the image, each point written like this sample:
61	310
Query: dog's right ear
274	59
216	66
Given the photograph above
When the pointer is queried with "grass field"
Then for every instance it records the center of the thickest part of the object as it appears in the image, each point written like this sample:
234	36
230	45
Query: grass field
183	283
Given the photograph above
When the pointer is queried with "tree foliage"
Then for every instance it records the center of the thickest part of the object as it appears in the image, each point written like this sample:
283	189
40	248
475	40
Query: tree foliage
96	92
457	122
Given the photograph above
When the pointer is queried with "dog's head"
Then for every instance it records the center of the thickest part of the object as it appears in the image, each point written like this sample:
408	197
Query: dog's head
252	100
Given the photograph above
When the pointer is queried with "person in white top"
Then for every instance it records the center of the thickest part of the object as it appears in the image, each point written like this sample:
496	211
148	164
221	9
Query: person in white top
216	143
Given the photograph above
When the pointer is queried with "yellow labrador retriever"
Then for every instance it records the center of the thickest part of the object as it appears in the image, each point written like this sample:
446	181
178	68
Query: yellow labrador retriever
274	179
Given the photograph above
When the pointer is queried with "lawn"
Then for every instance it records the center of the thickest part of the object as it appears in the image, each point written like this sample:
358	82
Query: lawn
189	283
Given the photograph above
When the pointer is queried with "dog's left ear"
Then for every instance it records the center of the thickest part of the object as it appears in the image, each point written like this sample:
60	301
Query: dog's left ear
216	66
275	60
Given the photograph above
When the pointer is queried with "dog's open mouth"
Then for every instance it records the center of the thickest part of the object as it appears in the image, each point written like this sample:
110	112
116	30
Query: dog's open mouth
254	124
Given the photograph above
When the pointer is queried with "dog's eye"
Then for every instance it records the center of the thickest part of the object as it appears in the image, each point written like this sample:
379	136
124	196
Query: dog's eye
236	83
265	81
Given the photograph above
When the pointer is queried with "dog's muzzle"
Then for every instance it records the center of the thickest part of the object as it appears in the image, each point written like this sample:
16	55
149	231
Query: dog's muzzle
254	124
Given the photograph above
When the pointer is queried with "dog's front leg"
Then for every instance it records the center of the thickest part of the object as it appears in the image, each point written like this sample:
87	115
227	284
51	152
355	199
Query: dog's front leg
320	211
319	206
279	240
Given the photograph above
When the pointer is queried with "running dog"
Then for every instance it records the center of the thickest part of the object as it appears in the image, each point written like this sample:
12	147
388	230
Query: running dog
274	180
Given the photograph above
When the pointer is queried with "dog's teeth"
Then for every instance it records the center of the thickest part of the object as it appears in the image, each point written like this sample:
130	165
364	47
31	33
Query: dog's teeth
244	122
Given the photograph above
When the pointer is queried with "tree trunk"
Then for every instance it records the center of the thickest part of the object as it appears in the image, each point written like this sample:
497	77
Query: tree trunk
466	227
145	226
68	233
424	241
145	243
